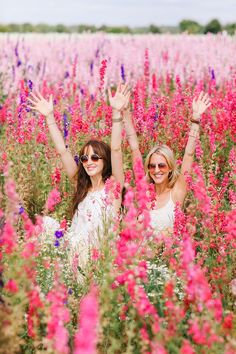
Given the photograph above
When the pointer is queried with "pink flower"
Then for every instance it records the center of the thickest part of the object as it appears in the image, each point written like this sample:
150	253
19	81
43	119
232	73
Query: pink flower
86	336
56	176
54	198
10	189
57	334
11	286
9	238
228	321
186	348
29	250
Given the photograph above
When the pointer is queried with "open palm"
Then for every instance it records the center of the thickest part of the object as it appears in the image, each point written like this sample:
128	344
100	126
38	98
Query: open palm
40	104
119	100
200	104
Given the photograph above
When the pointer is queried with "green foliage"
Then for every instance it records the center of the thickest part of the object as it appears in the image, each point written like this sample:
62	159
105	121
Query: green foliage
154	29
213	26
186	25
190	26
231	28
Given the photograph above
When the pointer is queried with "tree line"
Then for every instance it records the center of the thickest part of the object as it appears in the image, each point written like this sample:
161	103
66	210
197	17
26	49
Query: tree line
186	25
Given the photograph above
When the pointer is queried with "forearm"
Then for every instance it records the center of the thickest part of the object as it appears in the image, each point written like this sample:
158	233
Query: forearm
130	131
190	149
116	153
116	131
192	139
55	134
132	137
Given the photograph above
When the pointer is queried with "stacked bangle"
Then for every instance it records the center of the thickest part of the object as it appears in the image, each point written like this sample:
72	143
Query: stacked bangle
196	121
116	120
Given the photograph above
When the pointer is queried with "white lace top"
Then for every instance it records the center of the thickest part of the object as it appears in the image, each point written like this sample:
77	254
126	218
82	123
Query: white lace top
87	227
87	223
163	218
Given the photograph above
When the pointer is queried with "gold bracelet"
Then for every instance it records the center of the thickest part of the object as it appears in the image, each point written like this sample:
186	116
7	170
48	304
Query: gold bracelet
116	120
195	121
116	149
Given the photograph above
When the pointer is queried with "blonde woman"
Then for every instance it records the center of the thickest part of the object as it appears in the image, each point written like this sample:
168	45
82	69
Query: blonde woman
160	165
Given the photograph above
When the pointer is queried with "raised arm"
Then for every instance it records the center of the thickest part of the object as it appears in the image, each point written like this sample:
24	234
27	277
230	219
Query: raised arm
41	105
131	135
199	106
117	103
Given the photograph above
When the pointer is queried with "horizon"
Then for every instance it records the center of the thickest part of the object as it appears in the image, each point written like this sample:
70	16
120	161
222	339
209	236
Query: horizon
129	13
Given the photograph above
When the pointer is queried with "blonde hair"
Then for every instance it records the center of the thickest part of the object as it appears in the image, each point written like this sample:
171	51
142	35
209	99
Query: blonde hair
168	154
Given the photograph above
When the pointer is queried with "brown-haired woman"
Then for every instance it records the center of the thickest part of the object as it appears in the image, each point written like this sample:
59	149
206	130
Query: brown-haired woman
97	162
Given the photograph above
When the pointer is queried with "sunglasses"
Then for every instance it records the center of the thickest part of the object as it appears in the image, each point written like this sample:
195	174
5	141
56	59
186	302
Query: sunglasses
162	166
94	157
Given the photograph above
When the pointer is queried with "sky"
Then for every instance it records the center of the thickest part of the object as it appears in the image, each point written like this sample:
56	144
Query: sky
116	12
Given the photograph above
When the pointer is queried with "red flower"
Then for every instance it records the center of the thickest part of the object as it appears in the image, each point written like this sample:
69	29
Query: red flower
11	286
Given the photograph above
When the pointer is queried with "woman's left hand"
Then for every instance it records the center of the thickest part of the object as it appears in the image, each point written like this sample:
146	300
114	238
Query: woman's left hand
200	105
119	101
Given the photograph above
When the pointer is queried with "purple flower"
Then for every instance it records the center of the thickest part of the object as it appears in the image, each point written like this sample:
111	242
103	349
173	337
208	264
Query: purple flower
70	291
97	53
91	68
57	243
21	210
212	74
18	63
59	233
76	158
16	50
30	85
66	75
122	71
66	124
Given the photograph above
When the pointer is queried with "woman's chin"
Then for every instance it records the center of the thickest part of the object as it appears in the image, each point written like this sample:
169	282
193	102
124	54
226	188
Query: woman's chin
158	180
93	173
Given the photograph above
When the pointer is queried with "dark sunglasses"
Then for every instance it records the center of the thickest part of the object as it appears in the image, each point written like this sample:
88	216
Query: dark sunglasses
93	157
162	166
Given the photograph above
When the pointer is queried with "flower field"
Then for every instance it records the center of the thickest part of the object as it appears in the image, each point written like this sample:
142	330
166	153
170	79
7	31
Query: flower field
141	292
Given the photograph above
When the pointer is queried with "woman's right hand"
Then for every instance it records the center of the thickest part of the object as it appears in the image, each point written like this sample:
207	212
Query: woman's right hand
121	98
40	104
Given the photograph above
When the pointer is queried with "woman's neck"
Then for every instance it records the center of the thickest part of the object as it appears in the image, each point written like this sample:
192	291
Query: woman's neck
97	183
161	188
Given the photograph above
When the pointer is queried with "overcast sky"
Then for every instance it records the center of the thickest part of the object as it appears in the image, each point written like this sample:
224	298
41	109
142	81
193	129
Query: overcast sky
116	12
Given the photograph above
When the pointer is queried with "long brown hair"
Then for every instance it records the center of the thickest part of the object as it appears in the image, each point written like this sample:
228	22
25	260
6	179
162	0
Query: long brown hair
83	180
